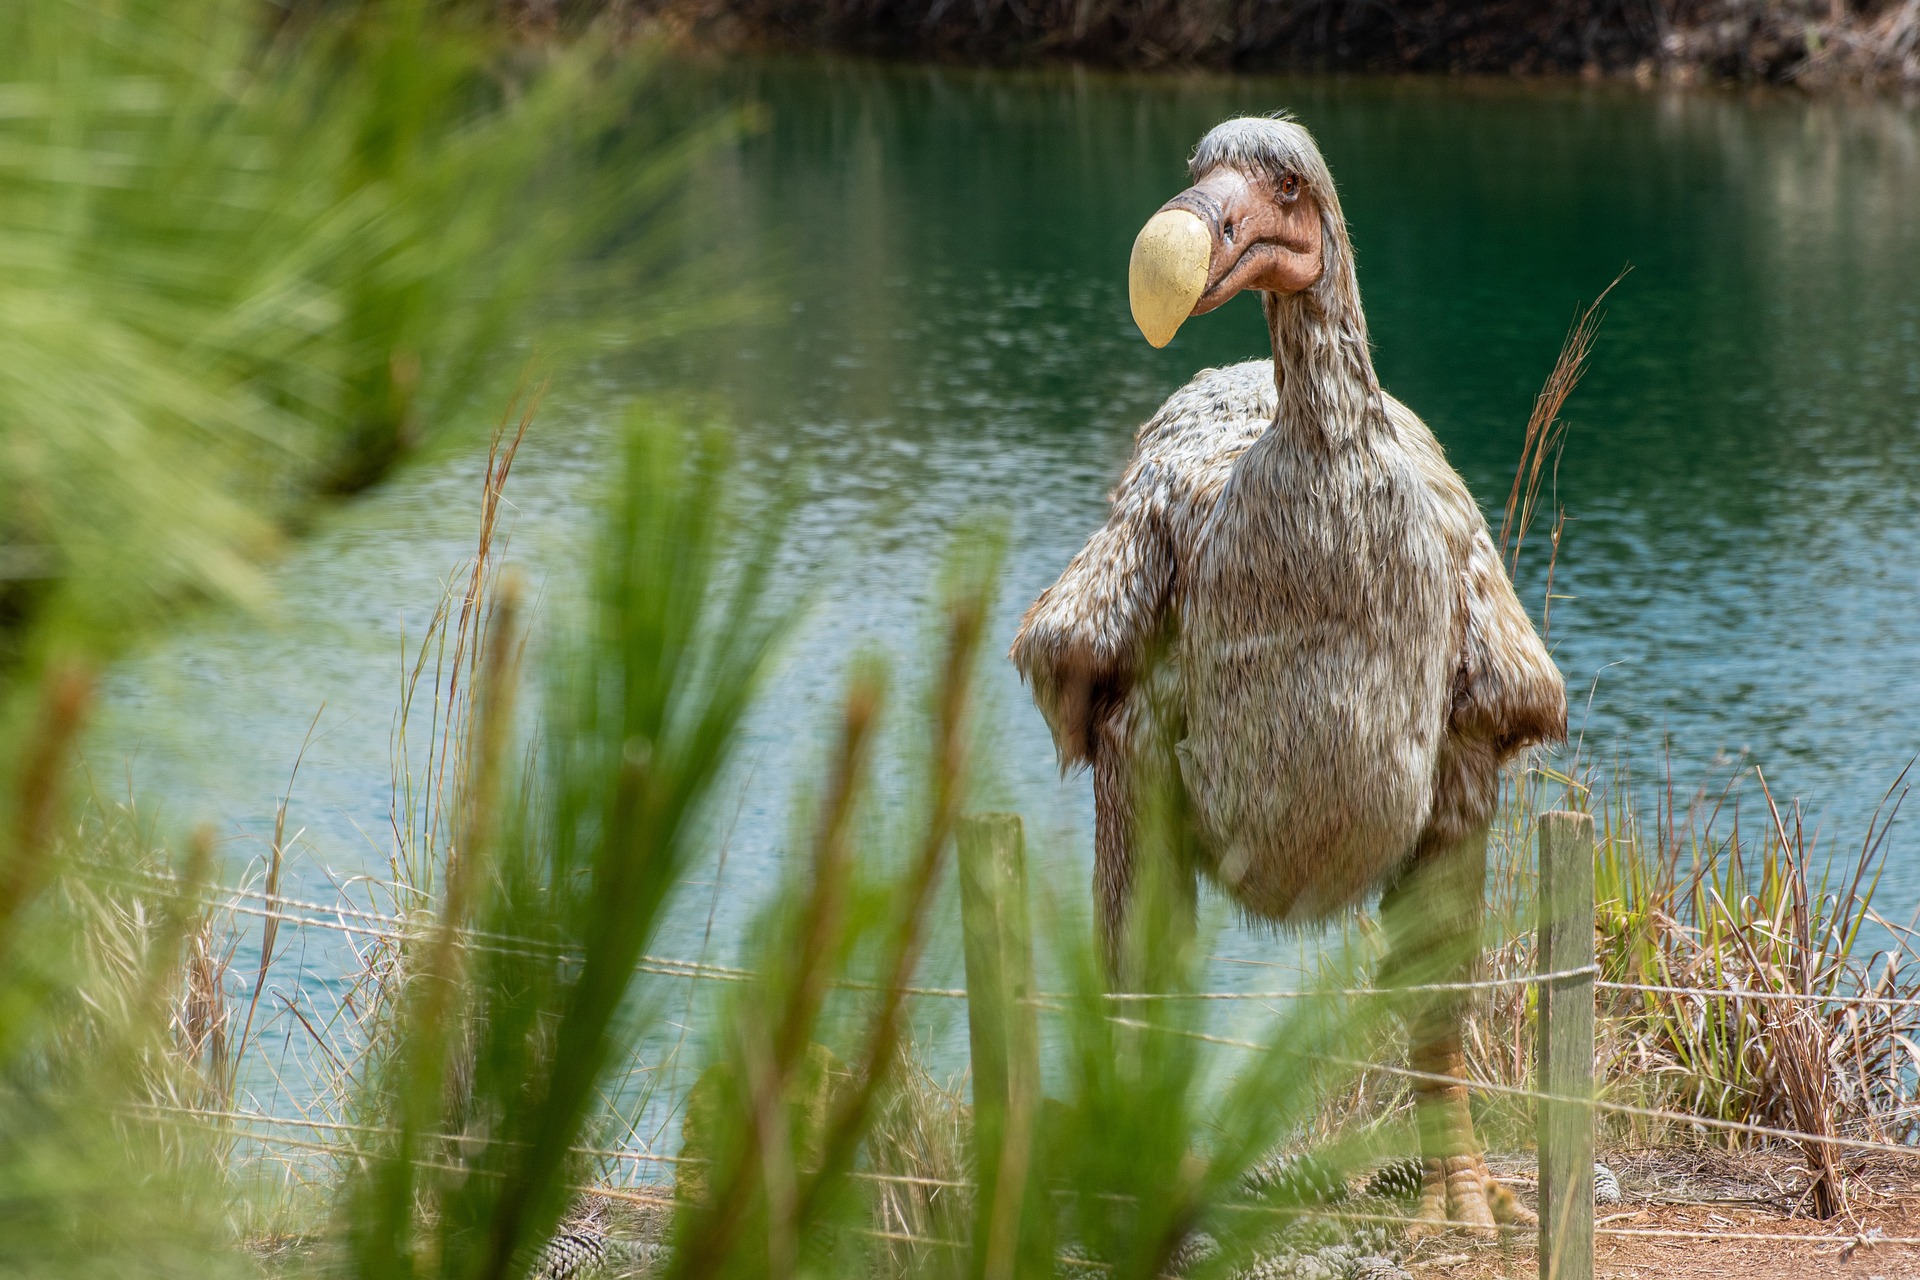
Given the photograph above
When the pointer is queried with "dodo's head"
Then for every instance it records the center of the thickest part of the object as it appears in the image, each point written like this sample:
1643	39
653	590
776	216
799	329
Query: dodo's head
1261	214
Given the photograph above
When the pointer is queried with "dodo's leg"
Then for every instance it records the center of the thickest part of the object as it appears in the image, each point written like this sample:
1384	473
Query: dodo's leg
1145	888
1113	841
1432	914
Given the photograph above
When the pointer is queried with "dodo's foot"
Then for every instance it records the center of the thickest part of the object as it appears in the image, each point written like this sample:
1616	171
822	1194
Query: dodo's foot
1458	1193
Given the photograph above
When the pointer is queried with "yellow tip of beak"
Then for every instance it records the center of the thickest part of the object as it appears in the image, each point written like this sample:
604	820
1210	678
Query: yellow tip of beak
1168	272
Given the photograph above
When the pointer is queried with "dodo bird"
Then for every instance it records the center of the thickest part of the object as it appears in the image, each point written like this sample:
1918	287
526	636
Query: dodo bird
1296	615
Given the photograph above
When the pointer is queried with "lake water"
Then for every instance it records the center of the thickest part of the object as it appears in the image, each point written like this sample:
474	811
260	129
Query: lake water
942	330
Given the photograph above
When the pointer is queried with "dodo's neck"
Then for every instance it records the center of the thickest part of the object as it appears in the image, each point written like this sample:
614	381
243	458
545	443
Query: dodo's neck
1322	365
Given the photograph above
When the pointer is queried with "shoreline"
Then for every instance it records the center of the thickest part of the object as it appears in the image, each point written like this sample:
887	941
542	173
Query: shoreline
1749	44
711	55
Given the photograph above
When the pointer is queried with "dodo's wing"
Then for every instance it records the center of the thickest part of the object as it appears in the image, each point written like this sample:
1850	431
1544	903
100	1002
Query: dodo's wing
1508	693
1512	695
1083	642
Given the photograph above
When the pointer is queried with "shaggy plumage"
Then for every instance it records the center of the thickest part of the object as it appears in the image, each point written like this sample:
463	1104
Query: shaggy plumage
1296	588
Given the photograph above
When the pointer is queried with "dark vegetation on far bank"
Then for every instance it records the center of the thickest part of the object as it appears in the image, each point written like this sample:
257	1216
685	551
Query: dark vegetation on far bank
1814	44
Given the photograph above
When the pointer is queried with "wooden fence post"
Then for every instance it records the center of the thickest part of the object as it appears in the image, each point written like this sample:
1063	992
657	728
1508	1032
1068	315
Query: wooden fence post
1565	1052
1002	1029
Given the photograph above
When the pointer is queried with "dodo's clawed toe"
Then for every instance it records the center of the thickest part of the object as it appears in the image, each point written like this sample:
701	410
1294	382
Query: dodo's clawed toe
1506	1206
1457	1193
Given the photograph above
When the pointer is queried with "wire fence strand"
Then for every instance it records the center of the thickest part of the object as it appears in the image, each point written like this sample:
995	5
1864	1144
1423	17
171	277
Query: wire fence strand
341	918
373	924
356	921
1777	997
1535	1095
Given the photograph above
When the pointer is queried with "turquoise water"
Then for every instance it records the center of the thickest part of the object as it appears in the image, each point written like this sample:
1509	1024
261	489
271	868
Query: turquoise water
942	330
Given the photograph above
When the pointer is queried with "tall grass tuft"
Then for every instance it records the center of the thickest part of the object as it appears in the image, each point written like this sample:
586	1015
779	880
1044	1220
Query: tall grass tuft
88	980
495	1071
1746	974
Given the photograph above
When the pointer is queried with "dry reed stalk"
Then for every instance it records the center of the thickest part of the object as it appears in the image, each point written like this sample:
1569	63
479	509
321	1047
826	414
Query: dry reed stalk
270	929
422	829
180	1017
203	1016
1799	1041
1800	1058
492	722
1547	432
475	610
919	1144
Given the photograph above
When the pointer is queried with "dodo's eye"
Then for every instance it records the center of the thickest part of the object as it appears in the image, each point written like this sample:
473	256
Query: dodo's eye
1290	187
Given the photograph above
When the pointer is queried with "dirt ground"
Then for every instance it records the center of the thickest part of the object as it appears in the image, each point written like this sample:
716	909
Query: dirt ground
1729	1196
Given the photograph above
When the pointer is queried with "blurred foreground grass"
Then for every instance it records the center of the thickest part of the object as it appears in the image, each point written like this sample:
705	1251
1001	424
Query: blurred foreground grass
247	264
491	1071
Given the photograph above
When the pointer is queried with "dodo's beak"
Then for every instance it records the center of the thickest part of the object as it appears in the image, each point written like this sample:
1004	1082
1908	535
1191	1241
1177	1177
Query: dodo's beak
1168	272
1225	234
